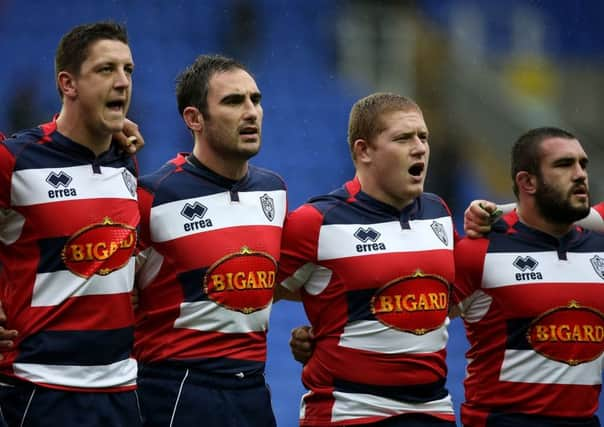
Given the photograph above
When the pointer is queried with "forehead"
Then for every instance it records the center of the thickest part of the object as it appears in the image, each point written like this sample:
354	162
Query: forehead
232	81
403	121
558	148
109	51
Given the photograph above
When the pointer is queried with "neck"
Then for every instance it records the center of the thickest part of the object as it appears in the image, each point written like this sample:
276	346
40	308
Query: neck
370	187
72	125
234	169
529	215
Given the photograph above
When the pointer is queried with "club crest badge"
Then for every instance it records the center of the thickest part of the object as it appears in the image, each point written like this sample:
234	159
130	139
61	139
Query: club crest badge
130	182
598	264
268	206
440	232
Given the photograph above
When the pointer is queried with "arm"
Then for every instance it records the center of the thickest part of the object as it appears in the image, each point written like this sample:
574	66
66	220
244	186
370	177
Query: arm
594	220
6	335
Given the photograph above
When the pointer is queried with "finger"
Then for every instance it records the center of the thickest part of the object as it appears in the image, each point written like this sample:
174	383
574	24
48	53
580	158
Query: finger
301	332
7	334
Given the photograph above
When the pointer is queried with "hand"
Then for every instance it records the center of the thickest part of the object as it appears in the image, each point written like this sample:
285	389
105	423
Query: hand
478	218
6	335
130	137
302	343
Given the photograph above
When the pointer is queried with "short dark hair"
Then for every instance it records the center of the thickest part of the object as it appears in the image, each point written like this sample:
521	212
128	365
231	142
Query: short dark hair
74	46
526	153
365	117
192	84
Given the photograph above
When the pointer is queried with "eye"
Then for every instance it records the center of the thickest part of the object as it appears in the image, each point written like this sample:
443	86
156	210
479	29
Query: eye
256	98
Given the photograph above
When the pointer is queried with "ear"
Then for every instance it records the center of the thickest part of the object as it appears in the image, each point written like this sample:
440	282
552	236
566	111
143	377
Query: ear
362	151
193	119
67	84
526	182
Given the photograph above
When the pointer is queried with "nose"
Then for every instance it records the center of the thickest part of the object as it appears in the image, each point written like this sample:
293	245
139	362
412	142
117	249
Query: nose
580	172
420	146
122	79
251	110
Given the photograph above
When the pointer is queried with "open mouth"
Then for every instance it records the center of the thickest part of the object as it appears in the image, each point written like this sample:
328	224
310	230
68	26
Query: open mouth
117	105
248	130
417	169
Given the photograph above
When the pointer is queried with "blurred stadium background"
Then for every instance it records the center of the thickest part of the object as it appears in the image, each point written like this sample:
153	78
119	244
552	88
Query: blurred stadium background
482	71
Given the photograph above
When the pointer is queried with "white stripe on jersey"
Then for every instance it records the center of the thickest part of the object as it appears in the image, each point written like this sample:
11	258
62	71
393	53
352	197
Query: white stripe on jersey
29	186
54	288
526	366
476	306
11	226
499	270
350	406
338	240
119	374
209	316
313	277
167	222
148	264
371	335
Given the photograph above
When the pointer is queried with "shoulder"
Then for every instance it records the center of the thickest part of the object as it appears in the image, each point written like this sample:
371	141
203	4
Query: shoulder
264	177
22	139
433	205
153	181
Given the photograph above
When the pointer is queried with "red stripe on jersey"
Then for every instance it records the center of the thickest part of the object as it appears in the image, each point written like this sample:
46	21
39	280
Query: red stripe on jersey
7	164
600	209
82	313
75	215
317	408
359	366
219	243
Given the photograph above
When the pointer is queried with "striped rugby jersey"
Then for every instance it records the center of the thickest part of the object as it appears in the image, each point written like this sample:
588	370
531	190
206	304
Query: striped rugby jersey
533	308
68	230
211	247
375	286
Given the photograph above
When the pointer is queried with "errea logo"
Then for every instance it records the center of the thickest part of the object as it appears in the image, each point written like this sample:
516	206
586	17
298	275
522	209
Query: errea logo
57	180
527	263
195	212
369	237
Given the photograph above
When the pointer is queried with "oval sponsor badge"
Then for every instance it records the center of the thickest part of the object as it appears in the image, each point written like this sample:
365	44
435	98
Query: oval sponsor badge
417	304
99	248
573	334
242	281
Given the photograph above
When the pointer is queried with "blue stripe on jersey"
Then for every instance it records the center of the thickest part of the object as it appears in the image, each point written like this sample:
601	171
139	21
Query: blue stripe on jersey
171	183
84	348
336	209
62	152
223	365
192	285
358	304
531	240
420	393
49	248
